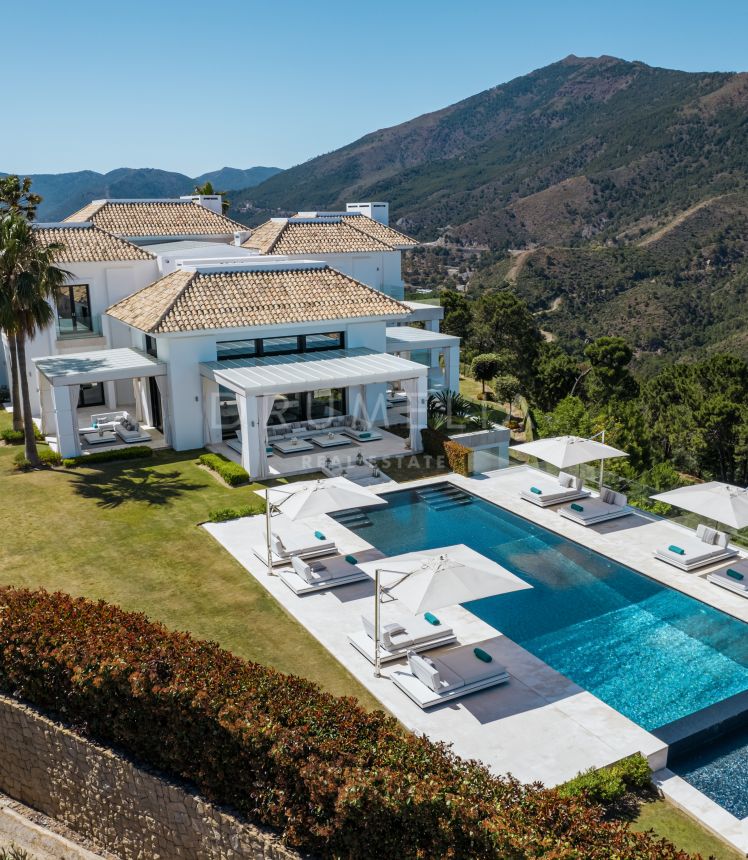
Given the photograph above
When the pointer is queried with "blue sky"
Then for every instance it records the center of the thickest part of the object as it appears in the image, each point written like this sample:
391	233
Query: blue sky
192	86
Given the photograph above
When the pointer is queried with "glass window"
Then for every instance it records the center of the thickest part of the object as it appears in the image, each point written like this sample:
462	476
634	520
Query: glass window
229	349
326	402
73	304
150	346
277	345
91	394
326	340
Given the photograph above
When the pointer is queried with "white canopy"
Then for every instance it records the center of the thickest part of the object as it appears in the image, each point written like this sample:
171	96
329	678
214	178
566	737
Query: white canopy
324	497
566	451
435	578
715	501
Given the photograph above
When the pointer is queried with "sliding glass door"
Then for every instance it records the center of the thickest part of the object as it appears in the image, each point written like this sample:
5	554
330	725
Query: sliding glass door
73	305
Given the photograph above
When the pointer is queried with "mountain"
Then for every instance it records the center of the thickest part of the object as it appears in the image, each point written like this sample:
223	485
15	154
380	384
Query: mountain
580	149
63	193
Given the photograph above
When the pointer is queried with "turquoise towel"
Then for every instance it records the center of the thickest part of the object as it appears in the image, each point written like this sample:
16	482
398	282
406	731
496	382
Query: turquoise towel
576	507
351	559
364	435
676	549
432	619
482	655
319	536
734	574
536	491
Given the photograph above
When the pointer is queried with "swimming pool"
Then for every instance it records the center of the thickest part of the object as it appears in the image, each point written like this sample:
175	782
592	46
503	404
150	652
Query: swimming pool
650	652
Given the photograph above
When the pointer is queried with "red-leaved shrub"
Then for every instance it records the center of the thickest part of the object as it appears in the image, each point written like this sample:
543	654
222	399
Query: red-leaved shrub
335	780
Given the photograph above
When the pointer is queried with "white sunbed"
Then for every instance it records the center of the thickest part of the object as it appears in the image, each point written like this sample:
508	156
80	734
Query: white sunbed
707	546
734	577
308	577
397	637
289	539
452	675
554	491
608	506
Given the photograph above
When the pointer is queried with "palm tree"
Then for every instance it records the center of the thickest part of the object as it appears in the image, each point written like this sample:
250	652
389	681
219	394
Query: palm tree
28	280
207	188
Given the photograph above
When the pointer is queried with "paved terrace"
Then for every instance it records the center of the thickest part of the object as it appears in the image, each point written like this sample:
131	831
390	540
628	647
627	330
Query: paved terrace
540	726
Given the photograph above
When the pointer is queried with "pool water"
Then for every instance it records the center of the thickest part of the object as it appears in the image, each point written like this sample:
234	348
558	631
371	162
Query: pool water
651	653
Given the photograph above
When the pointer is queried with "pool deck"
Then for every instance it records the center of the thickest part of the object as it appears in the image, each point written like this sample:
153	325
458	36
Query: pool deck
539	726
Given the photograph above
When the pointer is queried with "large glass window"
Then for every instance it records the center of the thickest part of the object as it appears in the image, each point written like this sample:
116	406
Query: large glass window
327	340
91	394
73	305
279	345
326	402
289	345
229	349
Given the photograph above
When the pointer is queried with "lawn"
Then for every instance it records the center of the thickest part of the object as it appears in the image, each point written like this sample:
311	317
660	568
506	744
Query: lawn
669	822
128	533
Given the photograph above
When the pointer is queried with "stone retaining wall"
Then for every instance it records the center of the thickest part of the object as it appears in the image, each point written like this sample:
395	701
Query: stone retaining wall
128	811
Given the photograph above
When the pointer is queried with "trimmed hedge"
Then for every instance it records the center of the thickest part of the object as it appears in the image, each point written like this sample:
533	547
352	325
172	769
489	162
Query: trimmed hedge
459	457
137	452
335	780
609	784
47	456
222	515
231	472
16	437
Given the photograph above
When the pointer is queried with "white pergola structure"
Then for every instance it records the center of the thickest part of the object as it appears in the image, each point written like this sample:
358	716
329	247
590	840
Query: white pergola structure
61	376
257	381
405	340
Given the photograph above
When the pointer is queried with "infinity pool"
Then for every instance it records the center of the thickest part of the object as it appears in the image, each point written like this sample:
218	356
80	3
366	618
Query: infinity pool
651	653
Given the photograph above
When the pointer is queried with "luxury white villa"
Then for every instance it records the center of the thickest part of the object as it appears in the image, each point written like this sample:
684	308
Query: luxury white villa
181	327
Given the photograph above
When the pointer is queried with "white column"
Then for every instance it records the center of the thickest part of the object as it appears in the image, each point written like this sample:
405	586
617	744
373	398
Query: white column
47	405
357	401
144	391
138	399
417	392
163	393
212	431
432	325
65	399
252	436
110	395
452	368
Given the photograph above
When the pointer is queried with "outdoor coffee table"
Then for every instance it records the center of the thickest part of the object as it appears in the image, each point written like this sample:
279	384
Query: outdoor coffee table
293	446
104	438
332	440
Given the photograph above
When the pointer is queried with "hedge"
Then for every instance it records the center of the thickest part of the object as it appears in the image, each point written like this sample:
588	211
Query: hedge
222	515
231	472
16	437
47	456
136	452
338	782
459	457
609	784
433	441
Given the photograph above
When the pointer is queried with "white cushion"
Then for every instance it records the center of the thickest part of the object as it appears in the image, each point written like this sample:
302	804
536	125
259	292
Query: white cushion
565	479
607	495
302	568
708	535
424	670
722	540
277	545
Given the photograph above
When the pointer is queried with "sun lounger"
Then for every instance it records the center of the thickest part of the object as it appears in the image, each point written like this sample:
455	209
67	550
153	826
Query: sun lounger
407	633
289	539
609	506
707	546
733	577
308	577
546	490
450	676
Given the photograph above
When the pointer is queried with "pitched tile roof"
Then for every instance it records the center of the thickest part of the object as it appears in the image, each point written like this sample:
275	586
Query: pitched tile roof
205	299
86	243
155	218
326	234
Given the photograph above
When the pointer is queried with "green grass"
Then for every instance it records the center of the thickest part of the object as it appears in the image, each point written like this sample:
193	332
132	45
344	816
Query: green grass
128	533
669	822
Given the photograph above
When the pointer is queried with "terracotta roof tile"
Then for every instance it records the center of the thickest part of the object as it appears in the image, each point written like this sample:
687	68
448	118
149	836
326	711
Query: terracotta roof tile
87	244
237	298
155	218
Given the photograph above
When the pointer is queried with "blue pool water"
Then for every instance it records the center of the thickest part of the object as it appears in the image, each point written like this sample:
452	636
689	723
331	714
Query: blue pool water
651	653
720	771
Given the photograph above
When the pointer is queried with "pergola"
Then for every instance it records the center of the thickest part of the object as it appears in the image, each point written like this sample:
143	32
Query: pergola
257	381
61	376
404	340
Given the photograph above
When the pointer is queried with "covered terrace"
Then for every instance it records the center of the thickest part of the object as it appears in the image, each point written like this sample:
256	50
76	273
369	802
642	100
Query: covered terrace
439	352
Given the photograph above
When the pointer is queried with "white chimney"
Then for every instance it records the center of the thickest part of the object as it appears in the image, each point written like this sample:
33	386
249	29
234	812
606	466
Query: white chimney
241	236
376	211
214	202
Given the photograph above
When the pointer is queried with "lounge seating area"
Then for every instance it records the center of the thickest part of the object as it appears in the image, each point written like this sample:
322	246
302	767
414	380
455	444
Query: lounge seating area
289	539
454	674
345	426
707	546
308	577
548	491
608	506
109	427
398	637
734	577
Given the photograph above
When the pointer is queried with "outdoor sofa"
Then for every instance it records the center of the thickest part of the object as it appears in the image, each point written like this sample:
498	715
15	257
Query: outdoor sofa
546	490
707	546
734	577
289	539
398	637
308	577
356	428
454	674
122	423
608	506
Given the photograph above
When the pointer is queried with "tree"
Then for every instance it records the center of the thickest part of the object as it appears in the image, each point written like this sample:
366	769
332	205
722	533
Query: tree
458	318
569	418
507	388
610	376
555	376
16	196
483	368
207	188
28	280
503	323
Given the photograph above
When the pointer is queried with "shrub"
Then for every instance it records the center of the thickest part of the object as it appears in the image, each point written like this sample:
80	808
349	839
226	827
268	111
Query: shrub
222	515
336	780
609	784
136	452
47	456
459	457
433	441
15	437
231	472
